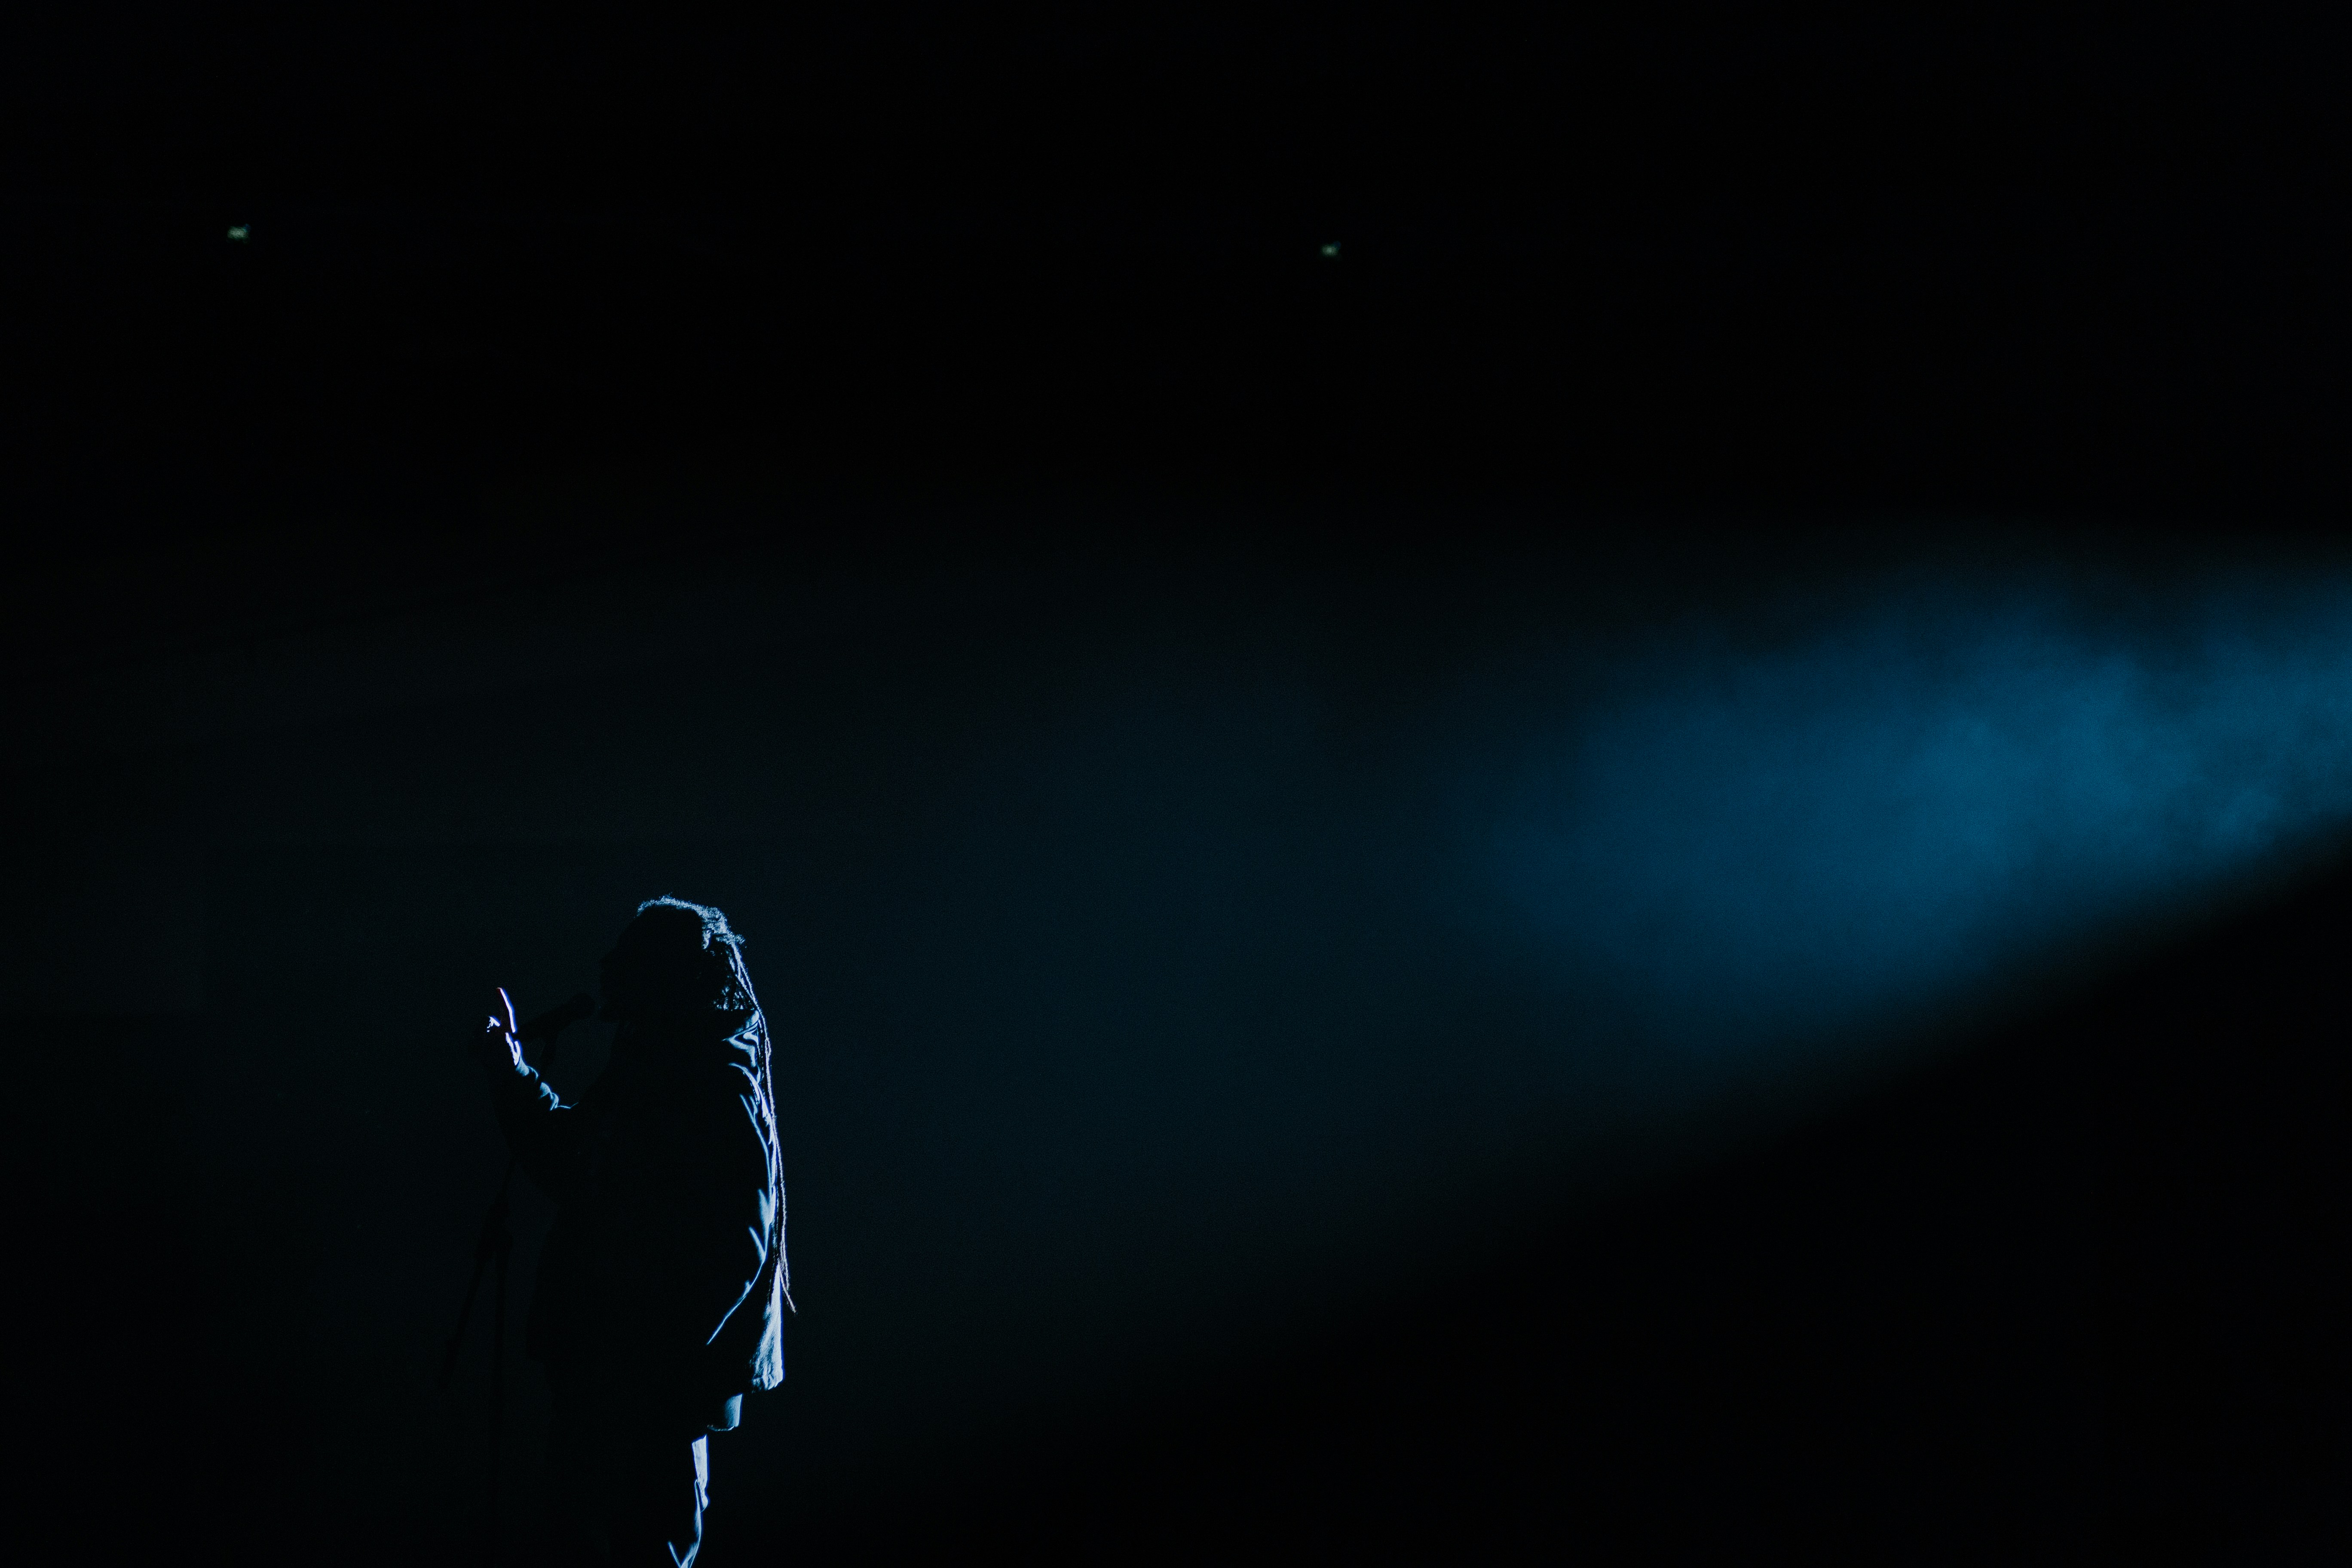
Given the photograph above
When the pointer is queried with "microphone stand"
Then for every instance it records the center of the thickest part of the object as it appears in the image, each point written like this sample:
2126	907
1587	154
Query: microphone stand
492	1248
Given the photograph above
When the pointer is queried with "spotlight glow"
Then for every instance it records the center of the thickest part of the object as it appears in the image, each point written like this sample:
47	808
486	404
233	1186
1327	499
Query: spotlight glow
1943	791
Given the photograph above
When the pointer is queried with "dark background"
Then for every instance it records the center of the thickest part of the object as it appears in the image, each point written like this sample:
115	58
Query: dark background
385	588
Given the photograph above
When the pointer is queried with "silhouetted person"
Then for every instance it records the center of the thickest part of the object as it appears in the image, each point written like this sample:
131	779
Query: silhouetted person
662	1284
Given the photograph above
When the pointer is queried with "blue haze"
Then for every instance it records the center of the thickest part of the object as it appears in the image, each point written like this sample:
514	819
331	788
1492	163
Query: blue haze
1944	789
1156	965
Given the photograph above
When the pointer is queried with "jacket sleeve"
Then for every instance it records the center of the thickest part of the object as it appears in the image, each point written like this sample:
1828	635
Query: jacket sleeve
722	1216
543	1132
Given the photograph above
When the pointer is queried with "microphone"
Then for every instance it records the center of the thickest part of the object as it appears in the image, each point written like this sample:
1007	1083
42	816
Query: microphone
549	1024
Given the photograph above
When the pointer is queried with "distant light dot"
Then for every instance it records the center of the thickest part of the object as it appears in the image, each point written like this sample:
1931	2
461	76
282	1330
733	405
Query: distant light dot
240	231
1332	249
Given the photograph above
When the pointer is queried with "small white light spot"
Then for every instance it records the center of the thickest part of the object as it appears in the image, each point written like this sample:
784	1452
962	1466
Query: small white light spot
240	231
1332	250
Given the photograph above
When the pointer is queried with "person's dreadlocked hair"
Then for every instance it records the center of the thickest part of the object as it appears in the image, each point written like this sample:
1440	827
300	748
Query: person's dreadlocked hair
714	976
700	958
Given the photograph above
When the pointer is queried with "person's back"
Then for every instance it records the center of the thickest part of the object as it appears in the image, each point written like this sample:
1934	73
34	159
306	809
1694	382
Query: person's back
662	1288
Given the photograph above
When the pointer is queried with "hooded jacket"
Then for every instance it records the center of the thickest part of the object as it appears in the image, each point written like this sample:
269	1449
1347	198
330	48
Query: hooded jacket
664	1281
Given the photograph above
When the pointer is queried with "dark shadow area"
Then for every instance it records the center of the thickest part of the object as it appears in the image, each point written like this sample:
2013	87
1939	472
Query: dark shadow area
1973	264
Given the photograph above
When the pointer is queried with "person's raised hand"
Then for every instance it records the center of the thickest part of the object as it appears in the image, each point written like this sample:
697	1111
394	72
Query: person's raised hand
499	1031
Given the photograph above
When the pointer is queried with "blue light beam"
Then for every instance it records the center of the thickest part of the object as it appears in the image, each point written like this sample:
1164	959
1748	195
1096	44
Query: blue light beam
1926	798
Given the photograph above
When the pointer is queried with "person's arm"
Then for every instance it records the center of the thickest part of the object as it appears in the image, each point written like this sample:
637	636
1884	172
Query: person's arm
720	1213
543	1131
